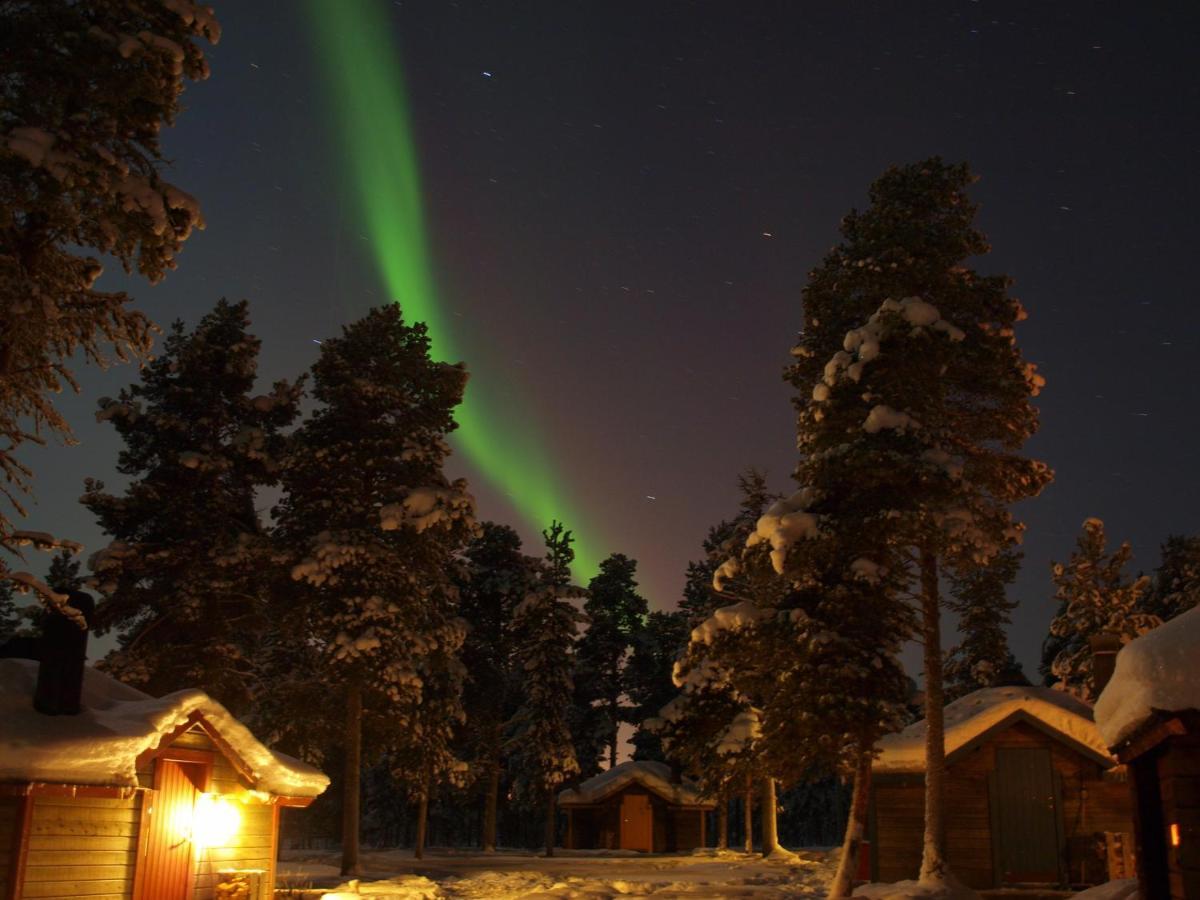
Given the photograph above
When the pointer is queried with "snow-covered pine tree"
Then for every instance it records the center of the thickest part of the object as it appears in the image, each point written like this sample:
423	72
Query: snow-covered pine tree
87	89
722	542
373	527
656	645
547	622
913	403
185	563
1095	597
980	598
615	614
497	576
1176	583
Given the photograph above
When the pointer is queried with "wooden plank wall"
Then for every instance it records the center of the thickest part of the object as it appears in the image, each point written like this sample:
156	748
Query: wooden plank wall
687	827
82	847
250	847
1091	804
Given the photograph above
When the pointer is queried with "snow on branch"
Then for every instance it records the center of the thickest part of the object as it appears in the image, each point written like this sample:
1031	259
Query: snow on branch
27	583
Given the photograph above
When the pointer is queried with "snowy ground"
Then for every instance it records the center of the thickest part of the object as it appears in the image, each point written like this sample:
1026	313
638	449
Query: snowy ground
577	875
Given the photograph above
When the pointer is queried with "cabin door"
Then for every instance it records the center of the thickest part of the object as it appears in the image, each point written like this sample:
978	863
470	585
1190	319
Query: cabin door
167	844
637	823
1026	816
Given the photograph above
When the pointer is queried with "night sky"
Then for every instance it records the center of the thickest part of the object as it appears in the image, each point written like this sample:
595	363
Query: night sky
624	199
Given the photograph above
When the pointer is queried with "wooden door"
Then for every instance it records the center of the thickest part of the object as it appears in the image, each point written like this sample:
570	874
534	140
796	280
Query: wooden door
637	823
1026	816
167	845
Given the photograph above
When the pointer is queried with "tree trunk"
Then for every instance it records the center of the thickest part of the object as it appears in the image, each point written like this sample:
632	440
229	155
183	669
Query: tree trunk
723	824
856	826
748	815
489	806
353	777
422	819
768	811
933	858
551	817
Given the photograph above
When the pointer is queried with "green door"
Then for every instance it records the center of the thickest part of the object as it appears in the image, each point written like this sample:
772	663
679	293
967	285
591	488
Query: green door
1026	816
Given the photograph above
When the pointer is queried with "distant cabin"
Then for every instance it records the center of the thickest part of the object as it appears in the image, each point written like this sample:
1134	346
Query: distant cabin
1031	790
635	806
1149	714
137	797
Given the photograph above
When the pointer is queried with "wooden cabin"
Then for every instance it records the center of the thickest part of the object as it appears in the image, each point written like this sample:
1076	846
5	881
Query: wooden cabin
137	797
1149	713
1031	790
635	806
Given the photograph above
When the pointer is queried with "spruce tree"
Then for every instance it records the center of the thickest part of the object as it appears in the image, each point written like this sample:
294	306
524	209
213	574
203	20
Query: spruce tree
10	616
546	622
615	614
497	576
1095	597
913	403
656	645
372	526
186	556
86	91
63	575
979	596
1176	584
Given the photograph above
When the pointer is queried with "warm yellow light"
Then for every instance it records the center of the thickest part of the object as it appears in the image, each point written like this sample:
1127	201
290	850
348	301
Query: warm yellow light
214	821
1174	834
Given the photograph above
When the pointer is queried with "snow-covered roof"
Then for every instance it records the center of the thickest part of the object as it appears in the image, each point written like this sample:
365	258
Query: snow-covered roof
1159	671
653	776
101	745
972	716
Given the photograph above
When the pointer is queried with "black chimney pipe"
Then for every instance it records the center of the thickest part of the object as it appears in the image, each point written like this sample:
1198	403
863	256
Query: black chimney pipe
63	654
1104	647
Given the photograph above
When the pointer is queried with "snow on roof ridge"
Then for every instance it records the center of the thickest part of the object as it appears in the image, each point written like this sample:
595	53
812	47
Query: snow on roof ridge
974	714
654	776
117	724
1159	670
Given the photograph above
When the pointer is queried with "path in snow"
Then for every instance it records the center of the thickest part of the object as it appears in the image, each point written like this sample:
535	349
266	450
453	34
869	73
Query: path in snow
570	875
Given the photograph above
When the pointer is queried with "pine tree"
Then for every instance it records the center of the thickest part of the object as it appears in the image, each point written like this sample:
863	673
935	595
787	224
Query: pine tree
546	622
615	614
186	558
656	646
979	597
87	89
373	527
497	577
1176	583
913	402
1095	597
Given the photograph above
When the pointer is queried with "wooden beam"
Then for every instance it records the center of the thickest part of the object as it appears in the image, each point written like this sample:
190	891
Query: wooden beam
44	789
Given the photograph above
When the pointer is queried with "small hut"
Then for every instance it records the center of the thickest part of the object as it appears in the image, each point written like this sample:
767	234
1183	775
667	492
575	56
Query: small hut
1149	714
1030	791
635	806
137	797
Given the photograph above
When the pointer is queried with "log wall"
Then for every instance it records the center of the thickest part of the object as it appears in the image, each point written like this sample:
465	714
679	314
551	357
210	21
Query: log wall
1179	782
1092	803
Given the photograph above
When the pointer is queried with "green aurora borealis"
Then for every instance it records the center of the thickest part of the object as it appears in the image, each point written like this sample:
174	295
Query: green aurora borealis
368	99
